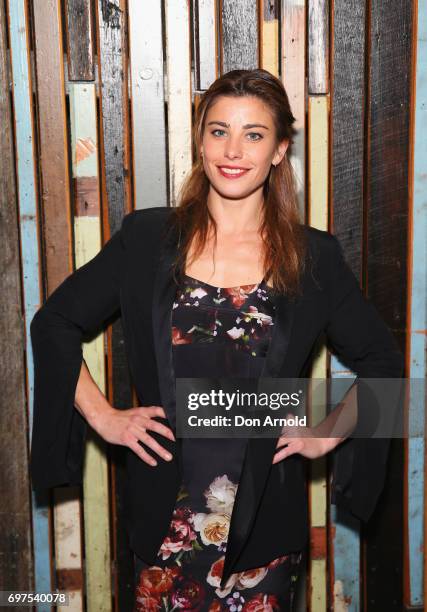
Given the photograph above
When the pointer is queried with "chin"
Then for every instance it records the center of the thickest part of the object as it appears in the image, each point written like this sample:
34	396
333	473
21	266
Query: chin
235	192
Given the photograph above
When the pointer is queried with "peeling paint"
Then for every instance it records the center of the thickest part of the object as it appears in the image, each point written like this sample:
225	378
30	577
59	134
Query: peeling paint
341	602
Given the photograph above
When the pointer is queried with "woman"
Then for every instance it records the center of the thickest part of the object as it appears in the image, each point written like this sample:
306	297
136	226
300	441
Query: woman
228	284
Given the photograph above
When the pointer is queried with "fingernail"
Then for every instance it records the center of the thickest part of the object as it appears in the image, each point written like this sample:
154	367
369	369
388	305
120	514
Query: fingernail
168	456
153	463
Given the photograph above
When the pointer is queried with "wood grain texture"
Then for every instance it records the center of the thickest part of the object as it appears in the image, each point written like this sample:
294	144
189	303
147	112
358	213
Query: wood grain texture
79	40
269	33
205	42
87	239
112	85
292	63
239	35
68	545
148	104
57	233
318	189
347	116
344	534
16	568
26	174
318	46
112	42
293	27
53	142
387	243
178	63
416	531
347	110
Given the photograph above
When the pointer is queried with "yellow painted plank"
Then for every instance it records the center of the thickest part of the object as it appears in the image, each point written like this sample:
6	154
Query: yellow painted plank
318	119
87	243
270	38
318	216
318	590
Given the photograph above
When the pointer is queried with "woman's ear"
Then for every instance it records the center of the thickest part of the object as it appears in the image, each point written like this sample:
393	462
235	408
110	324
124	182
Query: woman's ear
280	152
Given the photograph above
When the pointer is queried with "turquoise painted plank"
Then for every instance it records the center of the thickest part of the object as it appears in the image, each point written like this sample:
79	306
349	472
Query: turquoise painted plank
27	198
417	368
346	555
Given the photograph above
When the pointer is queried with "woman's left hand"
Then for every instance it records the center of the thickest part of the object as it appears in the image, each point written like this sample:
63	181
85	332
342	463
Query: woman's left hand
300	440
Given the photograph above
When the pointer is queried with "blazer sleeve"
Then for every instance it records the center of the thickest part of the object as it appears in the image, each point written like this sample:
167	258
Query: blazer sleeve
363	342
80	306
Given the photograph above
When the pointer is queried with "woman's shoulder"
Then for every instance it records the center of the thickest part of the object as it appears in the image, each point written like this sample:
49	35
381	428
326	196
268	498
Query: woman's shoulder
321	244
147	224
318	237
156	215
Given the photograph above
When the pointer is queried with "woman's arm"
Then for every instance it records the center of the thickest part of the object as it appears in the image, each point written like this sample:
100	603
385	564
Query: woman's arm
80	307
124	427
358	335
314	442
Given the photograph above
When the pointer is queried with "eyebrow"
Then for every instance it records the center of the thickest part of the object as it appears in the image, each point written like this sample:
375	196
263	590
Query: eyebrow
245	127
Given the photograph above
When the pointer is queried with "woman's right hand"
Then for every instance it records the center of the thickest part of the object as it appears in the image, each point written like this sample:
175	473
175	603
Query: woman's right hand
128	427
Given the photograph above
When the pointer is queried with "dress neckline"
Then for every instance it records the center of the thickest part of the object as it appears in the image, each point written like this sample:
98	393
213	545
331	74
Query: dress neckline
197	280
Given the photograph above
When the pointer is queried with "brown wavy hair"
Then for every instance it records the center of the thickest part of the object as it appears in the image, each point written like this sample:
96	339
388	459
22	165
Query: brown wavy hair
281	230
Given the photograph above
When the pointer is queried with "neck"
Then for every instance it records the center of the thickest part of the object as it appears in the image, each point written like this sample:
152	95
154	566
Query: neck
237	216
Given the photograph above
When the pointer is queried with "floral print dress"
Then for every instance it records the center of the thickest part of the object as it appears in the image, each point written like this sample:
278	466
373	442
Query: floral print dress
215	332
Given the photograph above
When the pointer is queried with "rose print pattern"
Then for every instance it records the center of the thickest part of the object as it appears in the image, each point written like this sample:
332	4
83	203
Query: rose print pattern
181	537
240	316
191	563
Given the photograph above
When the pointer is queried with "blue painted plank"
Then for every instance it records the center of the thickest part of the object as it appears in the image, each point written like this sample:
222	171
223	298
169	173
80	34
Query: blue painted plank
417	357
27	199
346	544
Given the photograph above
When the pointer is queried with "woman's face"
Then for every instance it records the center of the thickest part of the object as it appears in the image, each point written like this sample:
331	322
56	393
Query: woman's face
239	145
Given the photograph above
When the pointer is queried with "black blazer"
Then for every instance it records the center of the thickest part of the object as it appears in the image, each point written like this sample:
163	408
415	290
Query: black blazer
132	275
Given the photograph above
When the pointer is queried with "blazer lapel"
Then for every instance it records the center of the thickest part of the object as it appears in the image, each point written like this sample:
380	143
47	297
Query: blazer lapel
163	298
259	451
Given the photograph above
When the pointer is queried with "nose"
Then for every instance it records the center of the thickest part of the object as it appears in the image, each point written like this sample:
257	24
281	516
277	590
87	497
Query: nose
233	147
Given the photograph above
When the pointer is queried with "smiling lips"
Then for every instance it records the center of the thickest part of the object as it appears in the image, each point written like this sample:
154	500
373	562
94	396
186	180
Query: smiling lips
232	172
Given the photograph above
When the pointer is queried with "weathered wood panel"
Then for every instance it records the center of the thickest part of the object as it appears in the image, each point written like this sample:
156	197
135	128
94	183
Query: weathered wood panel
270	36
57	235
205	42
80	40
148	104
16	567
26	173
53	142
344	537
347	109
293	77
239	35
414	592
387	242
368	71
87	237
318	153
318	46
179	93
111	23
347	118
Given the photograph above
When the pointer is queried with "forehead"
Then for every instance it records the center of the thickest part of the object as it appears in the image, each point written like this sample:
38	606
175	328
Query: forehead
239	110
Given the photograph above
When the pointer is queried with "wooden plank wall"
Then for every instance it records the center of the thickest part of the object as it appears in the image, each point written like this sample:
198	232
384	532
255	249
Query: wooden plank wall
105	127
